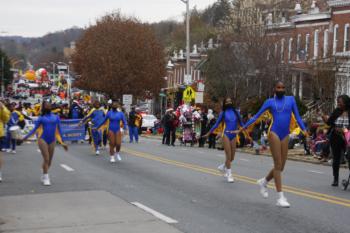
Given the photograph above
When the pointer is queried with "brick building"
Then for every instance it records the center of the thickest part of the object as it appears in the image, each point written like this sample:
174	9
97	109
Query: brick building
318	38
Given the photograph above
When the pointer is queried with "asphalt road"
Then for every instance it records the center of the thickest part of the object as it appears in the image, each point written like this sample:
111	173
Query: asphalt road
183	184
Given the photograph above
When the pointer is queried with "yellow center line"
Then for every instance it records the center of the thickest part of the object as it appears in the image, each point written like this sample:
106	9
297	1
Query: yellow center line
289	189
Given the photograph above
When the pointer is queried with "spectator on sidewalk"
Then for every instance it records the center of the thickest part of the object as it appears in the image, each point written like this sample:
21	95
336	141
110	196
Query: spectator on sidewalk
134	123
211	123
4	117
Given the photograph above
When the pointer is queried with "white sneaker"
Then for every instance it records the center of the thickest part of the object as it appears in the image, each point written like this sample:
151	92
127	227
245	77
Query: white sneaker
230	178
46	180
3	150
282	202
263	188
118	157
8	151
13	152
97	152
112	160
222	168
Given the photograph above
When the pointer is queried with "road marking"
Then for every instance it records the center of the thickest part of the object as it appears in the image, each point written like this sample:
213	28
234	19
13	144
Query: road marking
245	160
154	213
184	149
314	171
200	152
66	167
300	192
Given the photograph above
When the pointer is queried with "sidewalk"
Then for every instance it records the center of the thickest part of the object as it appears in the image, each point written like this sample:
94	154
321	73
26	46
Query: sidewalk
294	154
78	212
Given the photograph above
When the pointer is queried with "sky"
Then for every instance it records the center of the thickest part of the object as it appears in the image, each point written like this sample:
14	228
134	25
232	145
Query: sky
35	18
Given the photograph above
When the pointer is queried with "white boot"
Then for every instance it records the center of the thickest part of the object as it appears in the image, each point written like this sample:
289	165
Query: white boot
46	180
263	187
282	201
222	168
118	157
229	176
112	160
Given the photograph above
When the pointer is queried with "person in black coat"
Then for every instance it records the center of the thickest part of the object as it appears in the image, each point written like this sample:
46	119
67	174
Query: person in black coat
338	121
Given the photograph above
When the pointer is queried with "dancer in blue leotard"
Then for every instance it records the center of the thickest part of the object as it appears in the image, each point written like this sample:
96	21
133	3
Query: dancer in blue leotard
48	128
231	120
96	117
285	115
112	120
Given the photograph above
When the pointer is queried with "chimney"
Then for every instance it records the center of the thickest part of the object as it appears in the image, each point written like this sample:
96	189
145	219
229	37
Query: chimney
298	8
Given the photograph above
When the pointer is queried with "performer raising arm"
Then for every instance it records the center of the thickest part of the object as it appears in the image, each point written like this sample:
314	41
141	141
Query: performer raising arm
285	116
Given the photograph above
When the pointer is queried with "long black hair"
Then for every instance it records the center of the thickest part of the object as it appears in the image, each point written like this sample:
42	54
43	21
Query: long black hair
338	111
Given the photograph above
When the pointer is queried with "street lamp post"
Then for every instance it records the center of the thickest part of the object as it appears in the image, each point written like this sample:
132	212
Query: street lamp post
188	66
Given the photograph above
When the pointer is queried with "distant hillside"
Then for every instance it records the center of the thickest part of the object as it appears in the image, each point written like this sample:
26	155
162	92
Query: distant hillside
40	50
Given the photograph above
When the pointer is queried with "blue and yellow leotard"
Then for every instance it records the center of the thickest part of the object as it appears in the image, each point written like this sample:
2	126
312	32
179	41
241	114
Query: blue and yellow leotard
285	115
113	119
96	116
48	127
231	119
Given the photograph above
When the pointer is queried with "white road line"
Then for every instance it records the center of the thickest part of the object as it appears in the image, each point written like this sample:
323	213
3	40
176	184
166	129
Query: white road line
155	213
314	171
184	149
245	160
220	155
68	168
200	152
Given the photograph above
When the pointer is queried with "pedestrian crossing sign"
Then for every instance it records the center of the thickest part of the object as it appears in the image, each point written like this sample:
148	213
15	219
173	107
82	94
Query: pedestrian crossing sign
188	95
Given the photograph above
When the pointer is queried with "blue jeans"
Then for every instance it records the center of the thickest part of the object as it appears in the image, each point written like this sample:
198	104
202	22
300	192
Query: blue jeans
133	133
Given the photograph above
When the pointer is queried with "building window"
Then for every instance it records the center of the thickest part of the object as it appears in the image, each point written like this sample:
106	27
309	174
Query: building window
325	43
335	38
316	44
298	46
346	37
290	48
307	45
282	50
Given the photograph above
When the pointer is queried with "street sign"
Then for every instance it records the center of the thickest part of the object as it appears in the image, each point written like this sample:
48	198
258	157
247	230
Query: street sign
188	79
200	86
61	67
189	94
199	97
127	99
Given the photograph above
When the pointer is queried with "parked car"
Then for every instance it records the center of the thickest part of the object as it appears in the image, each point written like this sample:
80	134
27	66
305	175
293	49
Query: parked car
148	122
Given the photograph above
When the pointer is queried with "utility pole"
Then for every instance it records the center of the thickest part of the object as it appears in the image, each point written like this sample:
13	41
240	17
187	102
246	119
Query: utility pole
188	49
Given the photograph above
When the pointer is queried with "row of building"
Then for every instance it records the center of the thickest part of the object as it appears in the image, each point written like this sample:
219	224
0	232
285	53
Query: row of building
306	41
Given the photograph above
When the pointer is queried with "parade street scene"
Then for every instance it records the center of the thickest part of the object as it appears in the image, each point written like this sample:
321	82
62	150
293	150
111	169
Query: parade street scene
175	116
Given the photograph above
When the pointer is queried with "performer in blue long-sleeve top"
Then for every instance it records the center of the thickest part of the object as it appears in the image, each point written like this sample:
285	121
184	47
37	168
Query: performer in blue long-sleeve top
112	121
230	120
96	116
285	116
48	129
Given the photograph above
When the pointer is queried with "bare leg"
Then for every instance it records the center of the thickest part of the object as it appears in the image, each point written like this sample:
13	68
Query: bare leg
51	153
112	141
228	151
233	149
118	141
276	151
44	148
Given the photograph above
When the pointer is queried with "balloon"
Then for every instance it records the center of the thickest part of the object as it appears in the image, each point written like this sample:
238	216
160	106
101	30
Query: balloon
30	75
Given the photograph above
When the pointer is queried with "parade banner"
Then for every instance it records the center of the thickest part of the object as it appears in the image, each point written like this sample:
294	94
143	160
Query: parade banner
71	131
